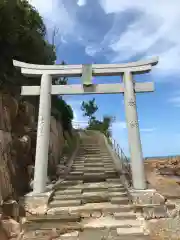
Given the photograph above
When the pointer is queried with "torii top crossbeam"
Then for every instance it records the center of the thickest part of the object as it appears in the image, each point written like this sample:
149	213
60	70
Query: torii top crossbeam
138	67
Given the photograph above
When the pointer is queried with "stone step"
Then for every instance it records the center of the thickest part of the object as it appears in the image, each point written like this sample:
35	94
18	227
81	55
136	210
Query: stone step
110	223
94	177
113	189
92	186
108	164
74	235
78	167
90	147
89	208
67	197
64	203
117	194
131	233
54	218
68	183
119	200
115	185
79	173
68	192
93	165
86	197
113	180
75	177
96	169
124	215
78	162
111	171
36	238
94	156
107	161
100	164
123	226
94	234
95	197
97	160
47	225
101	186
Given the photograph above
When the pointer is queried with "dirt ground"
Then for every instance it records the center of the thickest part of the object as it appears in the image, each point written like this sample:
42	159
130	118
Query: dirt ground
164	176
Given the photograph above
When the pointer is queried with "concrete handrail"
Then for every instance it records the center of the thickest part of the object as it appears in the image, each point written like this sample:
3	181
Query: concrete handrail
120	160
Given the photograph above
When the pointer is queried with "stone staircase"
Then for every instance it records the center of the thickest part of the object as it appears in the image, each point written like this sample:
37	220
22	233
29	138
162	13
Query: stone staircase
91	203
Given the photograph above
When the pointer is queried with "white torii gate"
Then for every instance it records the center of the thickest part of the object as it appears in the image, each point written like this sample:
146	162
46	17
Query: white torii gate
128	87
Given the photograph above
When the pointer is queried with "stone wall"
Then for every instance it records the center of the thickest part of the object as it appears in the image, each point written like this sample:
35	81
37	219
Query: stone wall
18	144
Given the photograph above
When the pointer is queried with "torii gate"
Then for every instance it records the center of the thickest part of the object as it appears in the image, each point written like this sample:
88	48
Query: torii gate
128	87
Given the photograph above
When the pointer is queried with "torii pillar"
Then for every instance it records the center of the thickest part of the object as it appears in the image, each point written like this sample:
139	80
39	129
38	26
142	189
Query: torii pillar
137	164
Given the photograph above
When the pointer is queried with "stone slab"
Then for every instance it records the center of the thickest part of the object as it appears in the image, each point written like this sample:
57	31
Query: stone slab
64	203
68	191
119	200
109	222
67	197
124	215
91	207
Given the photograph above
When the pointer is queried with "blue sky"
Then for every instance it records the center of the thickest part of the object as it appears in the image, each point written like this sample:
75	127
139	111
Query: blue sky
117	31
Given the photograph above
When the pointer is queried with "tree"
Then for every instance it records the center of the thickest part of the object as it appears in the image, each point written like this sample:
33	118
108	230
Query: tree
89	109
102	126
22	37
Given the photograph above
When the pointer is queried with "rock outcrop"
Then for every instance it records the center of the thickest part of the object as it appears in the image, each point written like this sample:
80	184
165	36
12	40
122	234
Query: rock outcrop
18	144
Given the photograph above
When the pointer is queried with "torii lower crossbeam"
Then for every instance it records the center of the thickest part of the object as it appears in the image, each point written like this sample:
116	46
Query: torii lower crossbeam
94	89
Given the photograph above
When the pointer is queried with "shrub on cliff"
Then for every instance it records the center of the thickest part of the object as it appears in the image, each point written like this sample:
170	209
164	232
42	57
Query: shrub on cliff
64	112
22	37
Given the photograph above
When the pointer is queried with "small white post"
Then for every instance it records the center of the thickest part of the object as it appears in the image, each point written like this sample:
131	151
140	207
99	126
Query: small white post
43	134
137	165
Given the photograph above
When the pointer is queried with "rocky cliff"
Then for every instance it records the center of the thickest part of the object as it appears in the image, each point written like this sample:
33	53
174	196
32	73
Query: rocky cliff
17	146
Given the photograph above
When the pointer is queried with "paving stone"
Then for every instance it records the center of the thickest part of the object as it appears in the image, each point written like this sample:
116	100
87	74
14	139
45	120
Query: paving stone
67	197
119	200
64	203
131	232
109	222
68	191
124	215
94	197
118	194
69	236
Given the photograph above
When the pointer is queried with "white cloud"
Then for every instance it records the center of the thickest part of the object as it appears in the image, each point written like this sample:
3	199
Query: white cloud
56	15
81	2
154	32
175	100
148	130
120	125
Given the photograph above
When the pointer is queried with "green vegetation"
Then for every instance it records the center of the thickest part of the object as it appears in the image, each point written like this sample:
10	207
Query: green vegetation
22	37
62	111
90	108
